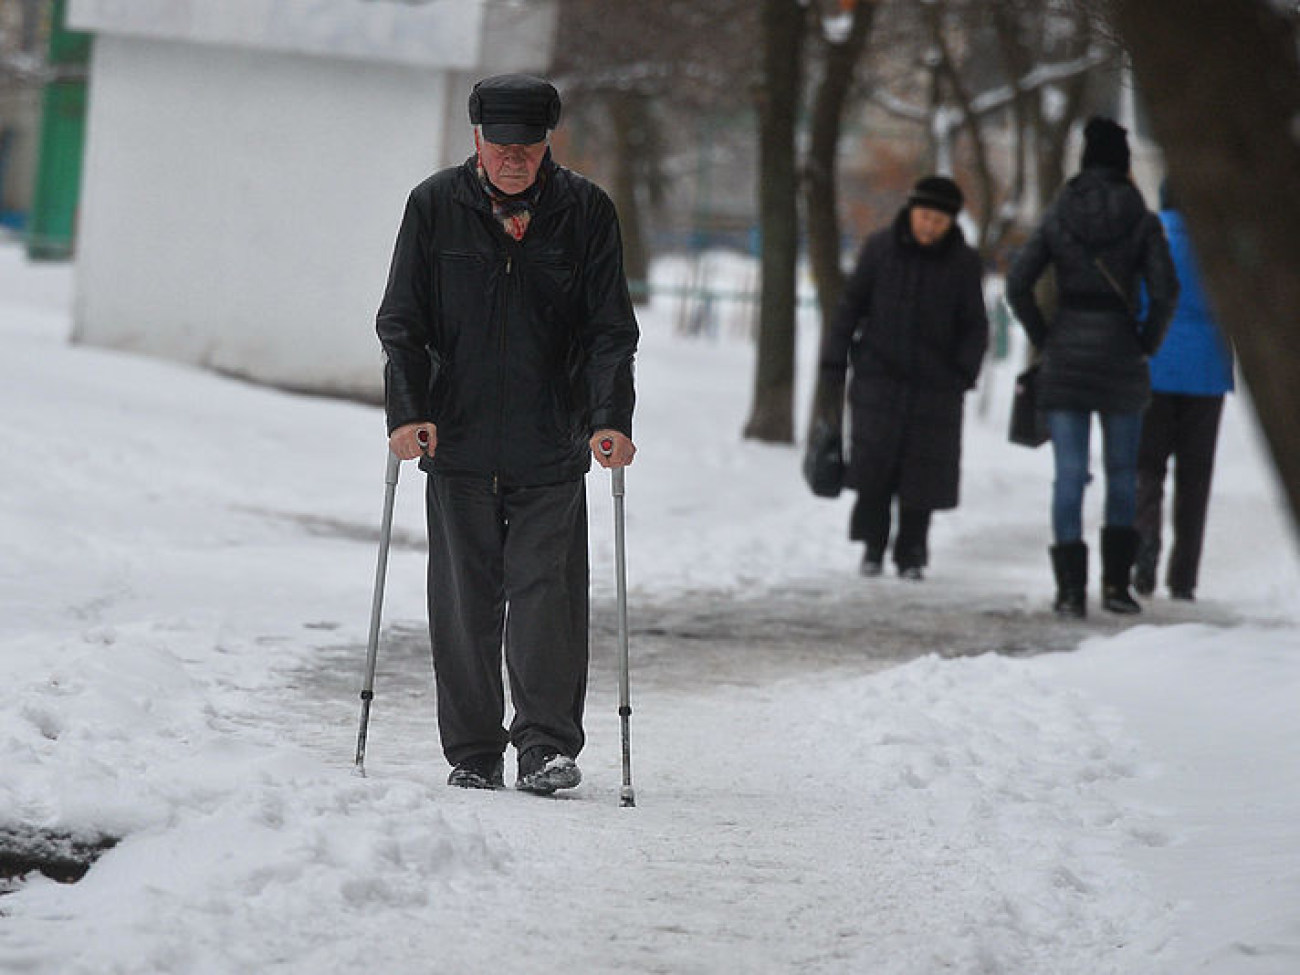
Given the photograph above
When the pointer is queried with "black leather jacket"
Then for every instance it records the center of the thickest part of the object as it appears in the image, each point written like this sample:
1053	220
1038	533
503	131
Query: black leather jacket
1105	247
517	350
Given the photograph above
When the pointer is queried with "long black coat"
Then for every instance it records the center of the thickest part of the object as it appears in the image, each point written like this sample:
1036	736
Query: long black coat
517	350
912	326
1094	350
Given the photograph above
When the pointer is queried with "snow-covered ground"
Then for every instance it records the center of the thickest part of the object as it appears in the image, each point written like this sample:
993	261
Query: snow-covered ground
832	774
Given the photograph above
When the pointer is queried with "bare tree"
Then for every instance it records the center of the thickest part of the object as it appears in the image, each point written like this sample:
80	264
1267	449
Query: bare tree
783	33
1221	81
985	60
840	53
636	60
626	66
22	63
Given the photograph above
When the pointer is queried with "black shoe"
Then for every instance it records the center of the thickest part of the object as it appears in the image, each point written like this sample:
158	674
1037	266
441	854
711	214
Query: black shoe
1071	603
543	770
1185	595
1070	567
1144	580
1119	547
479	772
1117	599
1144	567
873	563
913	573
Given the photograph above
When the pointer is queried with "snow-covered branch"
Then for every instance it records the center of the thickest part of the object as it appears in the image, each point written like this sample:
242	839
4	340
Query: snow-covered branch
998	98
23	67
898	106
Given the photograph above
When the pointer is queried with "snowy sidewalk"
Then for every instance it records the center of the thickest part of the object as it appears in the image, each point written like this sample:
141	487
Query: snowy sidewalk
825	782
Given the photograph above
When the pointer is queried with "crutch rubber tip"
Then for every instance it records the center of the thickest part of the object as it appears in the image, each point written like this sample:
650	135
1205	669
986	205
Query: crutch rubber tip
625	798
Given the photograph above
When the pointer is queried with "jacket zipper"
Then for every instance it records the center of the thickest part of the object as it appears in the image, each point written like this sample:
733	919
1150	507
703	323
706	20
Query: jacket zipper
501	375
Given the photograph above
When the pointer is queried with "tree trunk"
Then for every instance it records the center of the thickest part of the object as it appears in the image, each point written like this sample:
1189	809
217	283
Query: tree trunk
1053	141
30	33
1221	81
772	415
1054	133
1017	61
945	66
822	210
628	113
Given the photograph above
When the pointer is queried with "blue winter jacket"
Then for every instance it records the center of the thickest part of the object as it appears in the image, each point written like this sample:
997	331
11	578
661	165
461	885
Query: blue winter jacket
1194	359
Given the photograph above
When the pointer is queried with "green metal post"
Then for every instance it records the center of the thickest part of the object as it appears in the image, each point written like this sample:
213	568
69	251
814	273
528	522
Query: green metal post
52	228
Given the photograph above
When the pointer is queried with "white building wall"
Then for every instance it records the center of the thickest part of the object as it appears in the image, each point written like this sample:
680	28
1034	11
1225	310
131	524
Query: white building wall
426	33
240	200
243	207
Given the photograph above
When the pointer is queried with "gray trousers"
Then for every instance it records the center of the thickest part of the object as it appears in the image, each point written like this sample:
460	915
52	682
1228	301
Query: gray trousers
508	569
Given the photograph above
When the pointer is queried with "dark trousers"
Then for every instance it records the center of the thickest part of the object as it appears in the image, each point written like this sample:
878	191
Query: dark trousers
508	568
871	522
1185	428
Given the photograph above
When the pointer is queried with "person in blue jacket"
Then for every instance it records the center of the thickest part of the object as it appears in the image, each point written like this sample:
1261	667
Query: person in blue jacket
1189	377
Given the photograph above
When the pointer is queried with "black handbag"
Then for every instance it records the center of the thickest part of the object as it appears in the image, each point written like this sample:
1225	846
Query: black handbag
1028	423
823	460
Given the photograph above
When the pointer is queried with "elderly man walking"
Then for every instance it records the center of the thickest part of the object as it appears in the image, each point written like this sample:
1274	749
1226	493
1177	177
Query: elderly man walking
509	340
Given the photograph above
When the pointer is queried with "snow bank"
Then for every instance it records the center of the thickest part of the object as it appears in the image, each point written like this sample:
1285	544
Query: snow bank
186	584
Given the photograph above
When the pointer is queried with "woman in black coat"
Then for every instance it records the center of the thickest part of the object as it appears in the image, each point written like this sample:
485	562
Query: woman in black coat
913	328
1105	246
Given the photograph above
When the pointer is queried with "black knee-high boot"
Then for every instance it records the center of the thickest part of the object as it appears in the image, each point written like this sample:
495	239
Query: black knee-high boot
1119	547
1070	564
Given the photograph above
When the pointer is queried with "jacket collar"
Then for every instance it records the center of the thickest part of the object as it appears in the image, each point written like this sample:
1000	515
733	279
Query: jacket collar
557	191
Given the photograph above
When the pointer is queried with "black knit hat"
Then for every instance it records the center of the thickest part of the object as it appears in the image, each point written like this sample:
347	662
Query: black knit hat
514	109
1105	143
937	193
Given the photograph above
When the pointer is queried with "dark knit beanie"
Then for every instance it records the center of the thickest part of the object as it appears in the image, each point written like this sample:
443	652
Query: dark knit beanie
1105	143
937	193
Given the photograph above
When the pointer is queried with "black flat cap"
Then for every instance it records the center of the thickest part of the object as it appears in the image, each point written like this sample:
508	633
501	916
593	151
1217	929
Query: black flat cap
514	109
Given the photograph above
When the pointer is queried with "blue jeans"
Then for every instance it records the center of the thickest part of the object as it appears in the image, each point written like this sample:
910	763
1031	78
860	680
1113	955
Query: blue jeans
1120	433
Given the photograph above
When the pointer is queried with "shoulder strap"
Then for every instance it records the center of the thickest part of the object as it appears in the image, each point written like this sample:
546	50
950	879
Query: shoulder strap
1110	278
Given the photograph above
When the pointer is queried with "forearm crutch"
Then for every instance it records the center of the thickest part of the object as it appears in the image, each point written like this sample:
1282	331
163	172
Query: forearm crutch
617	487
391	471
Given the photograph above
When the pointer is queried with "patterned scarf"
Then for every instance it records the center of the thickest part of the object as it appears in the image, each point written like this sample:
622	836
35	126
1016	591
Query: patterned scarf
514	212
